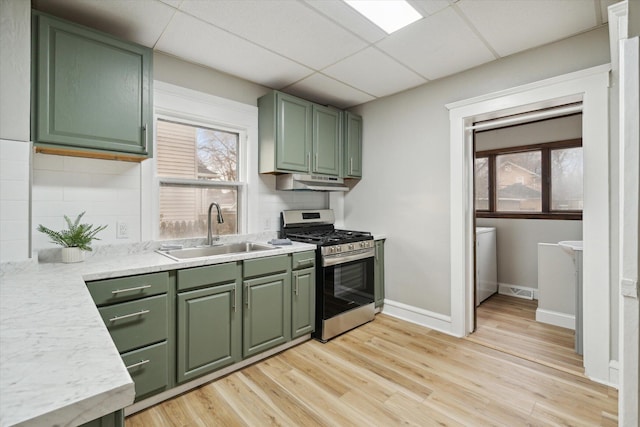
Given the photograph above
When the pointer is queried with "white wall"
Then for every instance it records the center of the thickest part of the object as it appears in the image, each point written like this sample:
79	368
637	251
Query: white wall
405	193
15	75
518	238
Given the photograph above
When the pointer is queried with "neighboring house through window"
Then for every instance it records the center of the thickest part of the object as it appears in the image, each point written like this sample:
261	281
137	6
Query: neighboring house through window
534	181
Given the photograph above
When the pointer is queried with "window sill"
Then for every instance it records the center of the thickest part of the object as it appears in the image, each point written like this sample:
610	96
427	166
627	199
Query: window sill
572	216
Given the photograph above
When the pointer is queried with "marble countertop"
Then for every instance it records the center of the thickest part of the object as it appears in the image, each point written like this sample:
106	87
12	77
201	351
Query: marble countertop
58	364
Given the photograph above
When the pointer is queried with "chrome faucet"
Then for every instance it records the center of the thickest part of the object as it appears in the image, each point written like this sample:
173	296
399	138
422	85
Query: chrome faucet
210	238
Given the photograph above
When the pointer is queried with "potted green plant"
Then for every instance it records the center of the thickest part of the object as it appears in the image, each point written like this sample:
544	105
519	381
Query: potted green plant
76	239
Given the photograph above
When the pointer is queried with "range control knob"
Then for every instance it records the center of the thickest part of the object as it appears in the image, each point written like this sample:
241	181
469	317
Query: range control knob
350	247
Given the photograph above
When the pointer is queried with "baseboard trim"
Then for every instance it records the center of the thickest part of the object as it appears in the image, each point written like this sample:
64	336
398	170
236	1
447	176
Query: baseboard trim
420	316
518	291
556	318
614	371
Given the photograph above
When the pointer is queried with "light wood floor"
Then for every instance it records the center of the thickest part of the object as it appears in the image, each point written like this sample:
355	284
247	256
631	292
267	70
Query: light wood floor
508	324
390	372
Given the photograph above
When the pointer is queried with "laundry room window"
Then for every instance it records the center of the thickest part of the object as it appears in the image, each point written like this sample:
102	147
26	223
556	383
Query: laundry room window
541	181
196	165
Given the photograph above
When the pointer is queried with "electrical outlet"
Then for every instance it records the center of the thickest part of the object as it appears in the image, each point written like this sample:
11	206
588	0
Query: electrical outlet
122	230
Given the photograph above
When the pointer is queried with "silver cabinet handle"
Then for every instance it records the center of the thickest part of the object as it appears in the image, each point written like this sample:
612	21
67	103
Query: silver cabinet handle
235	295
144	137
126	316
316	165
137	288
296	285
309	160
350	165
140	363
304	261
248	299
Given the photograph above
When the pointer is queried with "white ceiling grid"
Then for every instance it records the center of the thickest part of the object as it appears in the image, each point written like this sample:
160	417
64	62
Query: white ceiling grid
327	52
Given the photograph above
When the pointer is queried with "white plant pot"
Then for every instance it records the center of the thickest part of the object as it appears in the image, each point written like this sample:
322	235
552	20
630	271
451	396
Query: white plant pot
70	255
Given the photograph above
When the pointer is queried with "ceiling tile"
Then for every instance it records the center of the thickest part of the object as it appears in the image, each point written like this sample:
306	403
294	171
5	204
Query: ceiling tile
437	46
347	17
516	25
196	41
290	28
325	90
429	7
141	22
374	72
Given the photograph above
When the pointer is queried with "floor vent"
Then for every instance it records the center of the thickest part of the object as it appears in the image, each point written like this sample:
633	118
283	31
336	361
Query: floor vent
514	291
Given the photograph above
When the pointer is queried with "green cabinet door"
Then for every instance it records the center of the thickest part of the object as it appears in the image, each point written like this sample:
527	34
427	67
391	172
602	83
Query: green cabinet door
92	91
267	313
378	289
326	140
115	419
303	305
208	330
352	161
293	151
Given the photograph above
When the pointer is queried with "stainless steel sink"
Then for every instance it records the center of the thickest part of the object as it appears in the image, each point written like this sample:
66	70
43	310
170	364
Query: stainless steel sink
210	251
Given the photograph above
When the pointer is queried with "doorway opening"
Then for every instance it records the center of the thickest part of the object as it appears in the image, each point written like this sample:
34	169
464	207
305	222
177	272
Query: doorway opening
528	197
590	87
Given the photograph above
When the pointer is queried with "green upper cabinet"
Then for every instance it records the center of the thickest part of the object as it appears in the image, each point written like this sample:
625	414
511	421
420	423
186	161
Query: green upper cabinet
92	92
352	161
326	140
297	136
285	133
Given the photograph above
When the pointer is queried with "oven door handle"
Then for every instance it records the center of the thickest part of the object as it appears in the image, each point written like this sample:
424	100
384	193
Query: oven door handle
328	261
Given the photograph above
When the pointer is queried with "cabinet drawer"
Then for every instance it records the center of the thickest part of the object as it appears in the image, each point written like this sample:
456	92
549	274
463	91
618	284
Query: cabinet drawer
148	368
128	288
192	278
138	323
304	260
264	266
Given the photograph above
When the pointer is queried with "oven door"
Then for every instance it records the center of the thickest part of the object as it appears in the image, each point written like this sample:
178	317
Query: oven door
345	286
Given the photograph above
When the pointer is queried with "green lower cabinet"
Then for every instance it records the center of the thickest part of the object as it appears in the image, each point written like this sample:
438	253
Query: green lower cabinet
115	419
208	334
303	307
148	368
267	313
378	288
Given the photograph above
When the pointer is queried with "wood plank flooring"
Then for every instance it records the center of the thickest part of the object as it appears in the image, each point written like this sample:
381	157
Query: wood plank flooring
508	324
390	372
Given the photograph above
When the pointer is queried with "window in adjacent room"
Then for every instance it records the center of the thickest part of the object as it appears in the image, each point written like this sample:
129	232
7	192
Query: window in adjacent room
535	181
196	165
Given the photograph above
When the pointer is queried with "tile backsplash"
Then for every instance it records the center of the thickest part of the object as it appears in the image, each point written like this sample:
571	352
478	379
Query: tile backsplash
14	200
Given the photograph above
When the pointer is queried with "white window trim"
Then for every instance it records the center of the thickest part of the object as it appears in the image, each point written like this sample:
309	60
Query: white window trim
192	107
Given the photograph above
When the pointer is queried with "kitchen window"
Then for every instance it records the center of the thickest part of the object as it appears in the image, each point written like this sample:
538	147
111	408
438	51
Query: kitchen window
196	165
535	181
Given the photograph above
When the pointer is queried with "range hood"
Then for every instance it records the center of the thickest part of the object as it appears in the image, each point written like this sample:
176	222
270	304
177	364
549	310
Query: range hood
296	181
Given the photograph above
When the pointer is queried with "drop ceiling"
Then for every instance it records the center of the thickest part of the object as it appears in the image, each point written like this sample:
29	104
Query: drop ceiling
324	50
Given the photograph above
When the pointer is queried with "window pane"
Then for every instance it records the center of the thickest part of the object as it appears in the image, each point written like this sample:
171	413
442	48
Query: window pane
183	211
186	151
518	183
566	179
482	184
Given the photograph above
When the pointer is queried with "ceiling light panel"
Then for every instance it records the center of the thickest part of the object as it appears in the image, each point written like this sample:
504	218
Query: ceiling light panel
390	15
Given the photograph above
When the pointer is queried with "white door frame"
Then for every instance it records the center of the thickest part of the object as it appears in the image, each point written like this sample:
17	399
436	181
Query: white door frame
591	87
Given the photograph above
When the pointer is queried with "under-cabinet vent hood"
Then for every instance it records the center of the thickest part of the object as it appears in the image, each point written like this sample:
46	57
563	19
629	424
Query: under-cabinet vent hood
297	181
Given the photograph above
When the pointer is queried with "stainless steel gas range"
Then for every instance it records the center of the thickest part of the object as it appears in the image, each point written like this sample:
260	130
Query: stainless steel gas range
344	270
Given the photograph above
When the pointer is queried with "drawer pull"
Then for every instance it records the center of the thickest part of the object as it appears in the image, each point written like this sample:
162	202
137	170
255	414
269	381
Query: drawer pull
140	363
305	261
126	316
137	288
296	284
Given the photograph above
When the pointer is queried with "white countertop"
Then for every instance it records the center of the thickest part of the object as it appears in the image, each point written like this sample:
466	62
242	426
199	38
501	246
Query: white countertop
58	364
